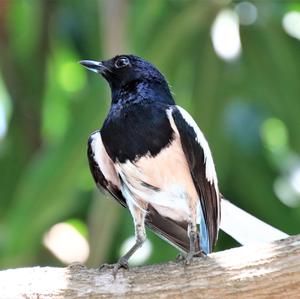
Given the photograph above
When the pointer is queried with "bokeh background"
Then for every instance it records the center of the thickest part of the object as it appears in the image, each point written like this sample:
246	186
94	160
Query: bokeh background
234	65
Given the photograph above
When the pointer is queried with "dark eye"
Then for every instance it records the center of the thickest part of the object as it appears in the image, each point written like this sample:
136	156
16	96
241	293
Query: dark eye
121	62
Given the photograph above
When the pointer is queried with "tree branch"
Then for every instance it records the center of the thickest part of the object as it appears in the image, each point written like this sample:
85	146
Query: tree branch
260	271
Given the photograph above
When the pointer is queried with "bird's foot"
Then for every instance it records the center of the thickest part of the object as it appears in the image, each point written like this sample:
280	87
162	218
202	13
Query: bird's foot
105	266
180	257
189	257
122	263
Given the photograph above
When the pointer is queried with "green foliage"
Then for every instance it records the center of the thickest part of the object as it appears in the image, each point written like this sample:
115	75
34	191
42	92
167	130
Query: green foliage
243	106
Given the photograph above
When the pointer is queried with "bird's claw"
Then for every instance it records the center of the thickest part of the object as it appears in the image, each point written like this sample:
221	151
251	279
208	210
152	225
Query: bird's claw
180	257
189	257
106	267
122	263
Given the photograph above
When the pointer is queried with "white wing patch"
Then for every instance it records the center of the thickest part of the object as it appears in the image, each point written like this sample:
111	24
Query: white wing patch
210	171
103	160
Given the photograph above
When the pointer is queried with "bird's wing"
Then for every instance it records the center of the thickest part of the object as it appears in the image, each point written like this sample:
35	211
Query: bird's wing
102	168
199	158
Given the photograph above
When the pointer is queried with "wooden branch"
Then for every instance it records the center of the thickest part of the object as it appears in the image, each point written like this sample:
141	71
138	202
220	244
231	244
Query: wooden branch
261	271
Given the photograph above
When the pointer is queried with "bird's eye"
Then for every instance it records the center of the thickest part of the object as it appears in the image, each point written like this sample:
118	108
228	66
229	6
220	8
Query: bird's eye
122	62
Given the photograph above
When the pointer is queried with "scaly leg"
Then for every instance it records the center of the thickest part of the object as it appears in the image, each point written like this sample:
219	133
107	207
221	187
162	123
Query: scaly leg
192	233
140	234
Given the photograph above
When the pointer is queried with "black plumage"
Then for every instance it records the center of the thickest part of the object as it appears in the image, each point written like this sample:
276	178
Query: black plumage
126	130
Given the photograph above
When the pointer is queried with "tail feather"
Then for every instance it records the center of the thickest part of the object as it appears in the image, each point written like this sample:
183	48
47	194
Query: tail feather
171	231
240	225
203	234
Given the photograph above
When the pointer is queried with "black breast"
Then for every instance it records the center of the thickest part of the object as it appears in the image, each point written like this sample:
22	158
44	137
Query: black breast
136	130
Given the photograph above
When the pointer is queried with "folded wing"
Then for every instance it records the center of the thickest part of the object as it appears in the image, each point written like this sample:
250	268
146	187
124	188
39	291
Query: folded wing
198	155
102	168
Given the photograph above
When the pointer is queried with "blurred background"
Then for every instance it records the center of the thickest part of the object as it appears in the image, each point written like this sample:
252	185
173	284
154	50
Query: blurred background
234	65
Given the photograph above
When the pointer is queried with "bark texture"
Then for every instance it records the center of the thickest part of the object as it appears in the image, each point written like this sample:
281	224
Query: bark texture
261	271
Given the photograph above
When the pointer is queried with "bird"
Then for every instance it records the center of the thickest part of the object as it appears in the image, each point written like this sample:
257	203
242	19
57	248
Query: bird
152	158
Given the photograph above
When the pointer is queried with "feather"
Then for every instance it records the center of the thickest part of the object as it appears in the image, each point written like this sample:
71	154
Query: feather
199	158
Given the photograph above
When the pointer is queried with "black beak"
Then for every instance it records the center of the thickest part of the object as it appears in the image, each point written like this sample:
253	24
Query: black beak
94	66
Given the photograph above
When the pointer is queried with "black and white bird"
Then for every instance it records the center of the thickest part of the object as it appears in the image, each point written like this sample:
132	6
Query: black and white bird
151	156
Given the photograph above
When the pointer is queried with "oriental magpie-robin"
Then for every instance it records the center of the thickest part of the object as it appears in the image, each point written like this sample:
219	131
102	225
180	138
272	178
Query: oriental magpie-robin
151	156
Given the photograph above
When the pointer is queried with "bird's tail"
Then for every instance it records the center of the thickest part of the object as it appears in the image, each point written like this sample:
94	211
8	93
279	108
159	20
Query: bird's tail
245	228
237	223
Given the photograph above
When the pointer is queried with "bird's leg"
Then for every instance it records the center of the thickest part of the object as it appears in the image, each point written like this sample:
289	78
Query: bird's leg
123	261
192	233
140	234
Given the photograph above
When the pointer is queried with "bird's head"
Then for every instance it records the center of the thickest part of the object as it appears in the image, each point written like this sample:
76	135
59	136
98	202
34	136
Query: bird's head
126	72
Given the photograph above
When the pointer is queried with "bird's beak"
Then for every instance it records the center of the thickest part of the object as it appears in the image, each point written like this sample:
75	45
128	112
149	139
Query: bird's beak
94	66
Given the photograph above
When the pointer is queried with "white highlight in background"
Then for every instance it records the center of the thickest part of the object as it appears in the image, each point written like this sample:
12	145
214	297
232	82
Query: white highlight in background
225	35
141	255
247	12
291	23
3	124
5	110
66	243
287	188
295	180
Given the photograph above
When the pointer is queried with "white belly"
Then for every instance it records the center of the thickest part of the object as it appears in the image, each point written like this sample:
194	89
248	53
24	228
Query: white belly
172	203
